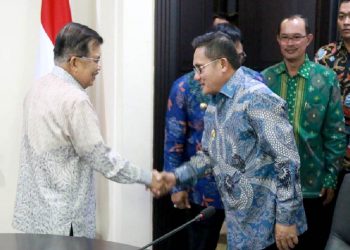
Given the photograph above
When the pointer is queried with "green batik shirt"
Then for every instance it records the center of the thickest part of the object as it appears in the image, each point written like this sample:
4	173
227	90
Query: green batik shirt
315	111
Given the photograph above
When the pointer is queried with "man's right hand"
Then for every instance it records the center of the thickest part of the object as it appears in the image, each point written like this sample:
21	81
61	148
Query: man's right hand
180	200
286	236
162	183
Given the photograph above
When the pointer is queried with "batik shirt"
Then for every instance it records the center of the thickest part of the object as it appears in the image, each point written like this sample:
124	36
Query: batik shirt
248	145
315	111
183	134
336	57
61	146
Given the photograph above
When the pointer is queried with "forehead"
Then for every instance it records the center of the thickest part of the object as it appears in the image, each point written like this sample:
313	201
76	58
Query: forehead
199	56
344	7
293	26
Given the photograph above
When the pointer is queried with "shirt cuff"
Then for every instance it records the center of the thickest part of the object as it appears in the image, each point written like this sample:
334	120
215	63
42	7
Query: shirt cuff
146	177
330	182
177	189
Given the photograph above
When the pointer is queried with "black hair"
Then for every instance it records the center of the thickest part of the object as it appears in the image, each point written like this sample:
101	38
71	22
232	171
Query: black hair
343	1
232	31
218	45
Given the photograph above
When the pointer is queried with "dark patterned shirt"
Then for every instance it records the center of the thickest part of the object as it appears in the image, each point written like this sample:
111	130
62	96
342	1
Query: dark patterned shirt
336	57
183	135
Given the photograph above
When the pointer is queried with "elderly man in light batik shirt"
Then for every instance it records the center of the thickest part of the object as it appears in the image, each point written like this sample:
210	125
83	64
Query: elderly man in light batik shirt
62	144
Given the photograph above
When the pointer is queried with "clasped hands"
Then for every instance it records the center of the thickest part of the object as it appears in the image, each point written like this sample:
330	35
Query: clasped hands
162	183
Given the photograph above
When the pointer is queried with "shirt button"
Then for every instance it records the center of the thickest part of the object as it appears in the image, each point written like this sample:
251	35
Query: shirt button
213	133
203	106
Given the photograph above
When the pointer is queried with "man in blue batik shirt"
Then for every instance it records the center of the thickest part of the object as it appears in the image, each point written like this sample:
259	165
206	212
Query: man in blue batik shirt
248	145
184	128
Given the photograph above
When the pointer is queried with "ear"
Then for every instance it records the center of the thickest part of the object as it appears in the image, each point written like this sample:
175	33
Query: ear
309	37
224	64
73	62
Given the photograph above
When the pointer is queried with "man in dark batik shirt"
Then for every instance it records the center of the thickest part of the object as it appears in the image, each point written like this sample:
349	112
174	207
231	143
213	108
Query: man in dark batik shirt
336	54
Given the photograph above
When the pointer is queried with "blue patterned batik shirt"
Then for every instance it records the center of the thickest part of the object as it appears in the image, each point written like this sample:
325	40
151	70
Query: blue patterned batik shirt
248	145
183	134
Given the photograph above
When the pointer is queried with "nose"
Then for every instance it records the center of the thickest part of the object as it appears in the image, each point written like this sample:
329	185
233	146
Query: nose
290	41
196	76
347	20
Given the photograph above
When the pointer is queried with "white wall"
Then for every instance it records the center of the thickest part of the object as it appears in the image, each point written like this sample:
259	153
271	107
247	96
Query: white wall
18	25
123	96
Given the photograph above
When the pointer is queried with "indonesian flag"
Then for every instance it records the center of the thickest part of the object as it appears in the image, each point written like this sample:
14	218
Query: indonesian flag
54	15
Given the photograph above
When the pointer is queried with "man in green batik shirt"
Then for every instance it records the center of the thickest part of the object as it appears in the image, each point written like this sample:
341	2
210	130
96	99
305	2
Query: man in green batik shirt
315	111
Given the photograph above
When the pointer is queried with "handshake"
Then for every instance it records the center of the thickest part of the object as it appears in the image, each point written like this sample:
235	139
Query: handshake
162	183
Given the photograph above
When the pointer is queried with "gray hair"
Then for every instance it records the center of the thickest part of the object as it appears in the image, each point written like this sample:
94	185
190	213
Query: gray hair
74	39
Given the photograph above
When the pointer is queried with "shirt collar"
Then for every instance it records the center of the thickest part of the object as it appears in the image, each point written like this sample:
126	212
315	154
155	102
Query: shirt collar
341	48
303	70
230	87
64	75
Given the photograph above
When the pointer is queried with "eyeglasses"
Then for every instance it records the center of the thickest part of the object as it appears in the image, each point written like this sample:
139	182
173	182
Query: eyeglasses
294	38
95	60
199	69
343	16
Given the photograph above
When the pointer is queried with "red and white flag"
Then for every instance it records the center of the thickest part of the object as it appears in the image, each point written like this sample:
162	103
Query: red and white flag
54	15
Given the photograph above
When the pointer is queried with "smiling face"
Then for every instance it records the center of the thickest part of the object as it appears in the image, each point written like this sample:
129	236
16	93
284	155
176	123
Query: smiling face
293	39
344	20
209	73
87	68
